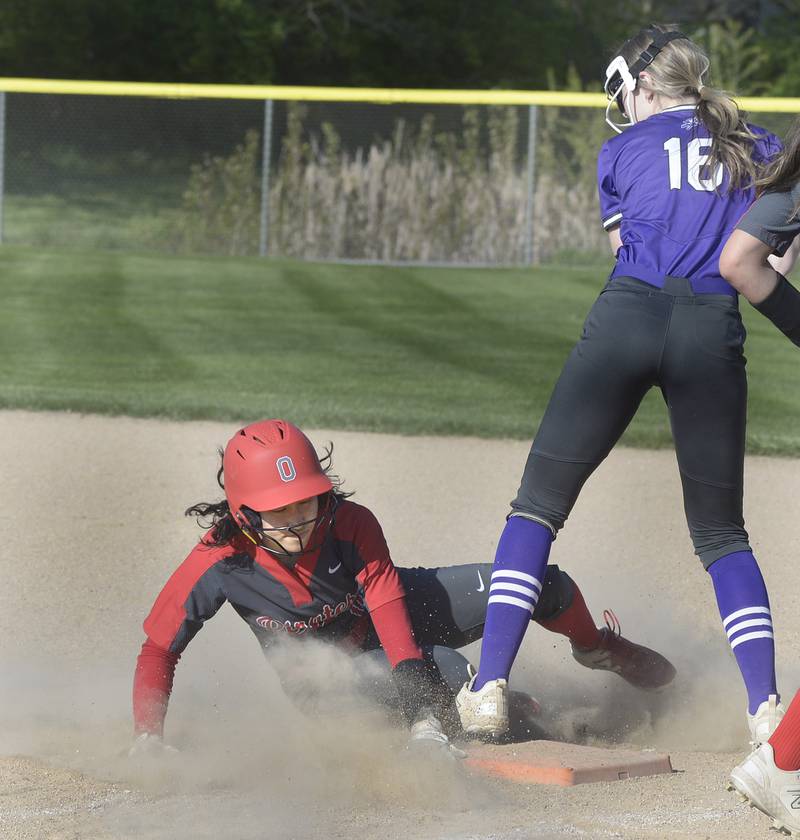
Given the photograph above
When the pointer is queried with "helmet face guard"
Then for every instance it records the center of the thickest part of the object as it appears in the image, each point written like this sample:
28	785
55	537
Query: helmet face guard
622	79
619	81
255	531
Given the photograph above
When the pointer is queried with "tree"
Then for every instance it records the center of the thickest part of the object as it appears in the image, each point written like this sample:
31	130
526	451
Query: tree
403	43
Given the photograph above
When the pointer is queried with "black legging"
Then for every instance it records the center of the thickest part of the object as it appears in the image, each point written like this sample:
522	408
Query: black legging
637	336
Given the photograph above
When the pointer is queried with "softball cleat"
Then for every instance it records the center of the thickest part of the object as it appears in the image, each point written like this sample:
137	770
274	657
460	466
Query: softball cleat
773	791
483	712
765	721
636	664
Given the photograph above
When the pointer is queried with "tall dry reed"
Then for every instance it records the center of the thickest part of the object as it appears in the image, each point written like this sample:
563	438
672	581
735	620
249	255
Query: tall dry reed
418	195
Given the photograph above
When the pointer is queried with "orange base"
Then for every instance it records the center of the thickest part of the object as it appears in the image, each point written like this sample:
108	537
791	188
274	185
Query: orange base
555	763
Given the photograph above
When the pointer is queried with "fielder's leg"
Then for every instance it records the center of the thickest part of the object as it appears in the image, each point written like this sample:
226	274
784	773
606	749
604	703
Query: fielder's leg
595	398
705	387
447	607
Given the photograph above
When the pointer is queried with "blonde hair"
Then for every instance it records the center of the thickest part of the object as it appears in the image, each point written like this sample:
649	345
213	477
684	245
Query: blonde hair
677	72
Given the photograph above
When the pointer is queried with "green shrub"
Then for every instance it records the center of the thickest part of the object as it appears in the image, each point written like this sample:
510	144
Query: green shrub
221	203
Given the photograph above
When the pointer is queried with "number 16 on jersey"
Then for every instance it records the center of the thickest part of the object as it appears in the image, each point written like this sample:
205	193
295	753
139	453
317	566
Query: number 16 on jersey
697	151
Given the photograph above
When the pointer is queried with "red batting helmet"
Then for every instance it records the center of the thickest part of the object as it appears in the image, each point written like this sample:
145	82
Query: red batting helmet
268	465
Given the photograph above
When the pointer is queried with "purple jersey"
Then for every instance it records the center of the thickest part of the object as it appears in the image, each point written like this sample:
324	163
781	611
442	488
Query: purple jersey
674	213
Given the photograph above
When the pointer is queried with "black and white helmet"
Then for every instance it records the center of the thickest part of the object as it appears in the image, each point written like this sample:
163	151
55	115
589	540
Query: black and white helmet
622	78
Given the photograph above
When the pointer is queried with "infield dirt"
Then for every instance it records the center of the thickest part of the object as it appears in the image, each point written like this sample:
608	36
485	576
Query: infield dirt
92	512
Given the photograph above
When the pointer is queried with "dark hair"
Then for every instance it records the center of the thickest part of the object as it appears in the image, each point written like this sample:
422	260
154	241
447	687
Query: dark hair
217	515
783	172
678	71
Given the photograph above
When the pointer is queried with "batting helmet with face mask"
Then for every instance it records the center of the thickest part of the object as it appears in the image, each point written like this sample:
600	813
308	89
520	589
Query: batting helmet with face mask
269	465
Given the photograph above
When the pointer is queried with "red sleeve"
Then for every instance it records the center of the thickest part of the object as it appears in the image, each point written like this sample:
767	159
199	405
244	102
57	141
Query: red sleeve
378	575
190	597
152	685
383	589
395	633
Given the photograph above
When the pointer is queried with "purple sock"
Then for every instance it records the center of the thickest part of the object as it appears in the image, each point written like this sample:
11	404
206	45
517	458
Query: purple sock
519	568
746	618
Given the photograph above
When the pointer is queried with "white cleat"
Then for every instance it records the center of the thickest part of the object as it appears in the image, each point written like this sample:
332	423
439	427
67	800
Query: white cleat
765	721
773	791
483	712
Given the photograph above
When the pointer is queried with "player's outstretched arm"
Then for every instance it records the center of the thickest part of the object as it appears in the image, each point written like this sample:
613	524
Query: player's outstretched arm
745	264
152	686
425	698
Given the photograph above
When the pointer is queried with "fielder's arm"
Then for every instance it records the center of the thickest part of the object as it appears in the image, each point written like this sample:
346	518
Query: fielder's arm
745	263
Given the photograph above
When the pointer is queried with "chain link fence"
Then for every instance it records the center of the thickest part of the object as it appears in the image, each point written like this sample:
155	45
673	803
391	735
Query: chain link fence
335	181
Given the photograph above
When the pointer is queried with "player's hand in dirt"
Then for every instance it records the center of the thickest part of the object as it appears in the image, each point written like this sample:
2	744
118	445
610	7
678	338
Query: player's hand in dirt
427	736
150	745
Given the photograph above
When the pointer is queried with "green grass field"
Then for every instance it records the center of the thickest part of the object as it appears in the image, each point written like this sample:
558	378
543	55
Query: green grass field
409	350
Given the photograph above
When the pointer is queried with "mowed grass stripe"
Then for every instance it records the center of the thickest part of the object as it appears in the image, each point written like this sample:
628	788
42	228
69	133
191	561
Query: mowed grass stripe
408	350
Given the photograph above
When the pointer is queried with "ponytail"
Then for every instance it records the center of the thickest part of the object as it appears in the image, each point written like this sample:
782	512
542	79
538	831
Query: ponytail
677	72
732	140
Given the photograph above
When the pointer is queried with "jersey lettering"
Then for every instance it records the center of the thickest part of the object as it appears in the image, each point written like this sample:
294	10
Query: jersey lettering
352	603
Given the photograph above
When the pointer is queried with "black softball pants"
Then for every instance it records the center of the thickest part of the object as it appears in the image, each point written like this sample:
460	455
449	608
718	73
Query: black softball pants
447	607
635	337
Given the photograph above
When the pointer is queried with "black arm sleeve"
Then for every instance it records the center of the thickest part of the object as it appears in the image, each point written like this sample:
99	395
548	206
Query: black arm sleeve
422	688
782	307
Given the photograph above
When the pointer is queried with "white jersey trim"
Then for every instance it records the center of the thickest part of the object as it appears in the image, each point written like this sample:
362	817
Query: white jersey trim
612	220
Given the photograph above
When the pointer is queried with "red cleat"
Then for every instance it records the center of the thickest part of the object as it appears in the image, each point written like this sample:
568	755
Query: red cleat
636	664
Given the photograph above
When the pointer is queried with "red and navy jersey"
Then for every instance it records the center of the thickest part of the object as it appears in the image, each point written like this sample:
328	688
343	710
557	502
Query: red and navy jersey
324	594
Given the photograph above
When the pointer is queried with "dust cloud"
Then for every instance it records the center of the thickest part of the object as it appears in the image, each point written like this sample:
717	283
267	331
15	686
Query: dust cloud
92	509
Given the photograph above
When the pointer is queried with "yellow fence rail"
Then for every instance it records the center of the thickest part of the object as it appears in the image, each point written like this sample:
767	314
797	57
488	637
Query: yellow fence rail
380	96
47	198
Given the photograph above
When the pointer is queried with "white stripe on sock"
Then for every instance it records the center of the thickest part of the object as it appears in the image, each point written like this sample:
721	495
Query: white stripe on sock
510	573
748	637
515	587
753	622
515	602
745	611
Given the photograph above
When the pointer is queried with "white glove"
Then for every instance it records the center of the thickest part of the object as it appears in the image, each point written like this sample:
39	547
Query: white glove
427	734
151	745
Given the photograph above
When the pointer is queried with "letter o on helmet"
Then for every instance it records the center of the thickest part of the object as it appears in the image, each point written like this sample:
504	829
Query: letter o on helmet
268	465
